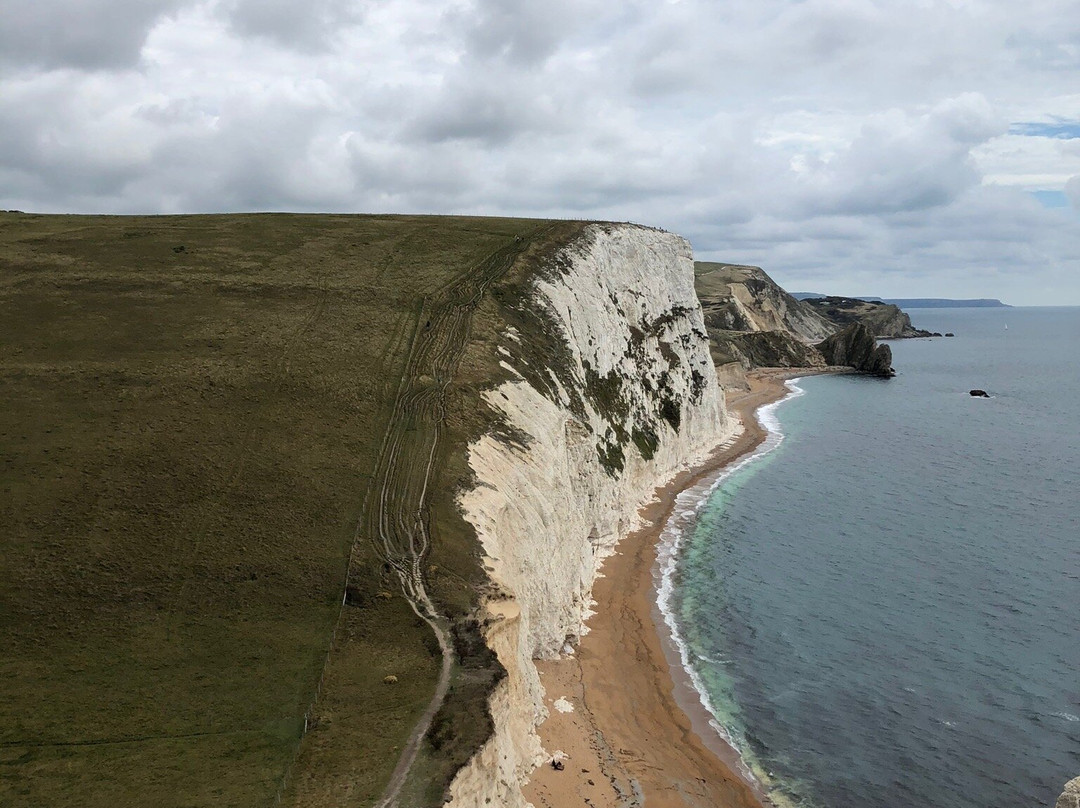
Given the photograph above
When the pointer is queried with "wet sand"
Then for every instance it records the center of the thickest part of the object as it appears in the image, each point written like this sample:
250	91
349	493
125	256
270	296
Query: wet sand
637	731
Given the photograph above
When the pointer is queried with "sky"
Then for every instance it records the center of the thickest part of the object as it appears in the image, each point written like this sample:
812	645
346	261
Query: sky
905	149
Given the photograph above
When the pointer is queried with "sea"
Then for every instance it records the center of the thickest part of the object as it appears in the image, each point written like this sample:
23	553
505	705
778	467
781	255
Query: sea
881	606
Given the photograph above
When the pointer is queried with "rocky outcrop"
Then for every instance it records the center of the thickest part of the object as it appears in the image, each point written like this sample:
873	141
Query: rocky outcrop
623	397
855	347
882	319
744	298
1070	797
752	322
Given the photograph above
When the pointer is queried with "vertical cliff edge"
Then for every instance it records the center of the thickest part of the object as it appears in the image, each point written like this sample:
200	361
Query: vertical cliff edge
621	397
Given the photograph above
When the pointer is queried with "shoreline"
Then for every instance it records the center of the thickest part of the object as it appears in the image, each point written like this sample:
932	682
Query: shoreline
767	390
625	716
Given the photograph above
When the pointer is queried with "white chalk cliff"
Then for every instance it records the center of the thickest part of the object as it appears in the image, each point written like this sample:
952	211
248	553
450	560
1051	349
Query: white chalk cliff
630	401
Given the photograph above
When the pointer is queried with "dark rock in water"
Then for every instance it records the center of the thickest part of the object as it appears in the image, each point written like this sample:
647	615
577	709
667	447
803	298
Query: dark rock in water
936	334
856	347
949	334
979	393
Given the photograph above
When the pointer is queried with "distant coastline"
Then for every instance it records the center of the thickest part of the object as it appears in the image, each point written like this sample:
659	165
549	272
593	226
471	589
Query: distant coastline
920	302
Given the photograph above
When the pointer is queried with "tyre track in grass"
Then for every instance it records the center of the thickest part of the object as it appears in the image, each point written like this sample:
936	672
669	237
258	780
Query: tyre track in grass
396	519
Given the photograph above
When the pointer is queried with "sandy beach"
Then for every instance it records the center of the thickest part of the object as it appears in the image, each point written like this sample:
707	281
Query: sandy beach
629	730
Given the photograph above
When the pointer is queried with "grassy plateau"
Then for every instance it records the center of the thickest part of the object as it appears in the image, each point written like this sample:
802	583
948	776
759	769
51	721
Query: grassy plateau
199	419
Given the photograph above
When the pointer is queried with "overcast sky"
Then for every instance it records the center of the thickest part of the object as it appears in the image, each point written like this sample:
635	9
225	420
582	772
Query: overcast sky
908	148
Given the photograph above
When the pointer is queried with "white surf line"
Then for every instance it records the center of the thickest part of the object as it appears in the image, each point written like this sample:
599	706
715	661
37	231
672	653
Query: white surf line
688	505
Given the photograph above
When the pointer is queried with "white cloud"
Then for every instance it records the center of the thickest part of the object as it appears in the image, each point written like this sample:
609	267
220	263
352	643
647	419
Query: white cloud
850	145
1072	191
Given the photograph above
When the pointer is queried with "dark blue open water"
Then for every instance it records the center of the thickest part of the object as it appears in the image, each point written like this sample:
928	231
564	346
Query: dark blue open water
885	609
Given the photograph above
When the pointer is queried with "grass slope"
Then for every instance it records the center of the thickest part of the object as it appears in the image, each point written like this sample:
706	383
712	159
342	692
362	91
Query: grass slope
191	415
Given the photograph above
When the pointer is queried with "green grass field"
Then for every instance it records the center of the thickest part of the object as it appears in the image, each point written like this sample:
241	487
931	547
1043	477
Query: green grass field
191	416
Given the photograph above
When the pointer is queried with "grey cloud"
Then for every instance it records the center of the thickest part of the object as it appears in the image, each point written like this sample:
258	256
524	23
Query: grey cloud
486	114
174	112
305	26
899	163
839	52
81	34
524	32
977	244
59	145
400	173
255	156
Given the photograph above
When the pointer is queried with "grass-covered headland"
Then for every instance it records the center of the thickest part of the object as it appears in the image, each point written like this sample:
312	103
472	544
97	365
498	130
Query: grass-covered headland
213	430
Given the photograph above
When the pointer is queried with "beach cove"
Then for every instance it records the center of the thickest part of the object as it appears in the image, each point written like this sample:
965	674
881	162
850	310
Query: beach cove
625	718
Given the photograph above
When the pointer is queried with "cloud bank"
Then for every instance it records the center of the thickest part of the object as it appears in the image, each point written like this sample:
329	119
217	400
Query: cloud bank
902	149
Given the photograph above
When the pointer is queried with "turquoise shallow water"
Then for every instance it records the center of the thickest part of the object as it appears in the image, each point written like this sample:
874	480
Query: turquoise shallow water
885	609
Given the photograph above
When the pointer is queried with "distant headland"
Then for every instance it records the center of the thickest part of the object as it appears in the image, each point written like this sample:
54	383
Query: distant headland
921	302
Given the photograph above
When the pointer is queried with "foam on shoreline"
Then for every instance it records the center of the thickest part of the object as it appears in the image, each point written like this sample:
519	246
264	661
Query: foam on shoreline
676	529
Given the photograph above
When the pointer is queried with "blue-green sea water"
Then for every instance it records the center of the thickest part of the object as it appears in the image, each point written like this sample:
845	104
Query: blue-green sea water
884	609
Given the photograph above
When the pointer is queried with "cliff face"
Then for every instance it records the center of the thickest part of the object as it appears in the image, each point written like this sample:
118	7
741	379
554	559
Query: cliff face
626	398
774	349
882	319
752	322
745	298
855	347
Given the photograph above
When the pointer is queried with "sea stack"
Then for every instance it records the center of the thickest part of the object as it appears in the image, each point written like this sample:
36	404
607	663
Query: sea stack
856	347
